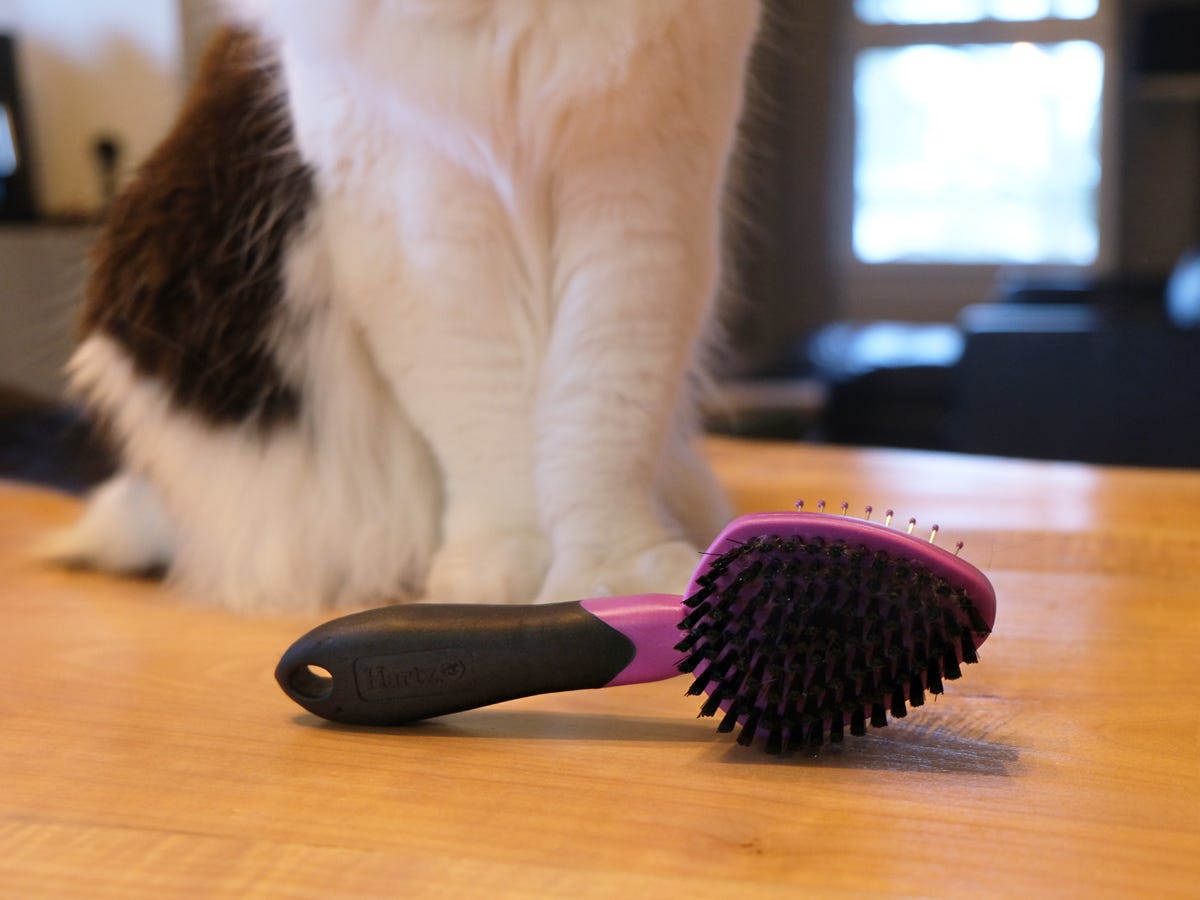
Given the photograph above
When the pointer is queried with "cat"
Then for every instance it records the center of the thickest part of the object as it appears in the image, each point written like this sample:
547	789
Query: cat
411	303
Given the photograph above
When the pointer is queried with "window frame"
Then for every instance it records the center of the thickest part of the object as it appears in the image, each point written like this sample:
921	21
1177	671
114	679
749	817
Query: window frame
924	291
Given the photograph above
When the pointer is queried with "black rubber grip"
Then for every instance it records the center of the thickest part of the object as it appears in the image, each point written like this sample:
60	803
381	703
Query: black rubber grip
397	664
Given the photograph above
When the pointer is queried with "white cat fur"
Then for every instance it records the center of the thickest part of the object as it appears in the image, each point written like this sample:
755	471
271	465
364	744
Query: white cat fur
507	278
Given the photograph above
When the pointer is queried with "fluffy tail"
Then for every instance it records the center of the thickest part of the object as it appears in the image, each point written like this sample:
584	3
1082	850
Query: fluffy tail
123	529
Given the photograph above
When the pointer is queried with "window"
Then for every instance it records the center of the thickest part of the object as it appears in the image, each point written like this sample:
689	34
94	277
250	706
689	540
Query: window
917	12
979	141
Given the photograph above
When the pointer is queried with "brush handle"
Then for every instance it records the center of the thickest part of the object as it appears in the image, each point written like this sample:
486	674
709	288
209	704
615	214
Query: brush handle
398	664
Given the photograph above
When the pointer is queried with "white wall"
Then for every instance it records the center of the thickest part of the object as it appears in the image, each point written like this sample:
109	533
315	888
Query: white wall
41	277
90	67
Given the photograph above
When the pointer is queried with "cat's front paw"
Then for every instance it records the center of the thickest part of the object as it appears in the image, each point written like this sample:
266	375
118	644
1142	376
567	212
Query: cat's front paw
664	568
501	568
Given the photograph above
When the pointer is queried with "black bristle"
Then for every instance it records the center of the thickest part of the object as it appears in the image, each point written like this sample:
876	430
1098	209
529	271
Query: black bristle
899	710
692	661
969	655
879	716
858	722
748	574
836	723
835	690
701	682
774	619
730	719
916	691
933	678
711	705
746	735
977	624
695	617
919	654
812	706
775	741
950	669
705	582
877	670
950	626
758	668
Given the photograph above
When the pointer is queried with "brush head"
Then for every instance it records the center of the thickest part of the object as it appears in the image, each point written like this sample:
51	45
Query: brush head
802	626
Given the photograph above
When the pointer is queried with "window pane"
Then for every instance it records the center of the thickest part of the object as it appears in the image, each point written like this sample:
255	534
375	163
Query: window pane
924	12
979	153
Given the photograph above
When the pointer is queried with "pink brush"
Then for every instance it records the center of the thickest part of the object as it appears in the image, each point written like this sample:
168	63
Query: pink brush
796	625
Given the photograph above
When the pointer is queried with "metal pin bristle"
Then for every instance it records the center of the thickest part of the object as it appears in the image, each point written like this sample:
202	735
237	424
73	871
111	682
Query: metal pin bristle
889	514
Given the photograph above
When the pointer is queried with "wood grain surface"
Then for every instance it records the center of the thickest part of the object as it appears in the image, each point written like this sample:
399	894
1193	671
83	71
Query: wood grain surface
147	751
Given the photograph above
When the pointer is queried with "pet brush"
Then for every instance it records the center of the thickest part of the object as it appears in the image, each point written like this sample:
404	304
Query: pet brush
798	626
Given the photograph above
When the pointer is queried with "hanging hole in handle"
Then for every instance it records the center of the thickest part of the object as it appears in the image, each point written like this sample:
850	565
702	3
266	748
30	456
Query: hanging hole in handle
311	682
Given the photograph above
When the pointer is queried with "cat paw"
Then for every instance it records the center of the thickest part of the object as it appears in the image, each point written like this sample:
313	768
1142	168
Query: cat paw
664	568
501	568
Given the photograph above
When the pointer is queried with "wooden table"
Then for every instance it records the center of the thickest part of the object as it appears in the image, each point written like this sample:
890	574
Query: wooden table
147	751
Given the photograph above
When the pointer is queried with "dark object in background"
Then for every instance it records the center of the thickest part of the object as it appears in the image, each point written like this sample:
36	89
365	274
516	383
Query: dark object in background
890	383
1107	375
107	149
16	176
1101	371
1167	42
1072	382
52	446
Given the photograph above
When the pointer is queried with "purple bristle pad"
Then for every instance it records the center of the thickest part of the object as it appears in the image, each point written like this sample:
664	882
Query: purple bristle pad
800	624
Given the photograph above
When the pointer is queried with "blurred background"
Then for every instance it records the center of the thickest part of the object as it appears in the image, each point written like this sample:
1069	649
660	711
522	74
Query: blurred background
970	228
966	225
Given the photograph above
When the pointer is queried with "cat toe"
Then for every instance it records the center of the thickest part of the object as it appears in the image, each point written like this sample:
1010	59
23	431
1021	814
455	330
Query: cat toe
506	568
664	568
